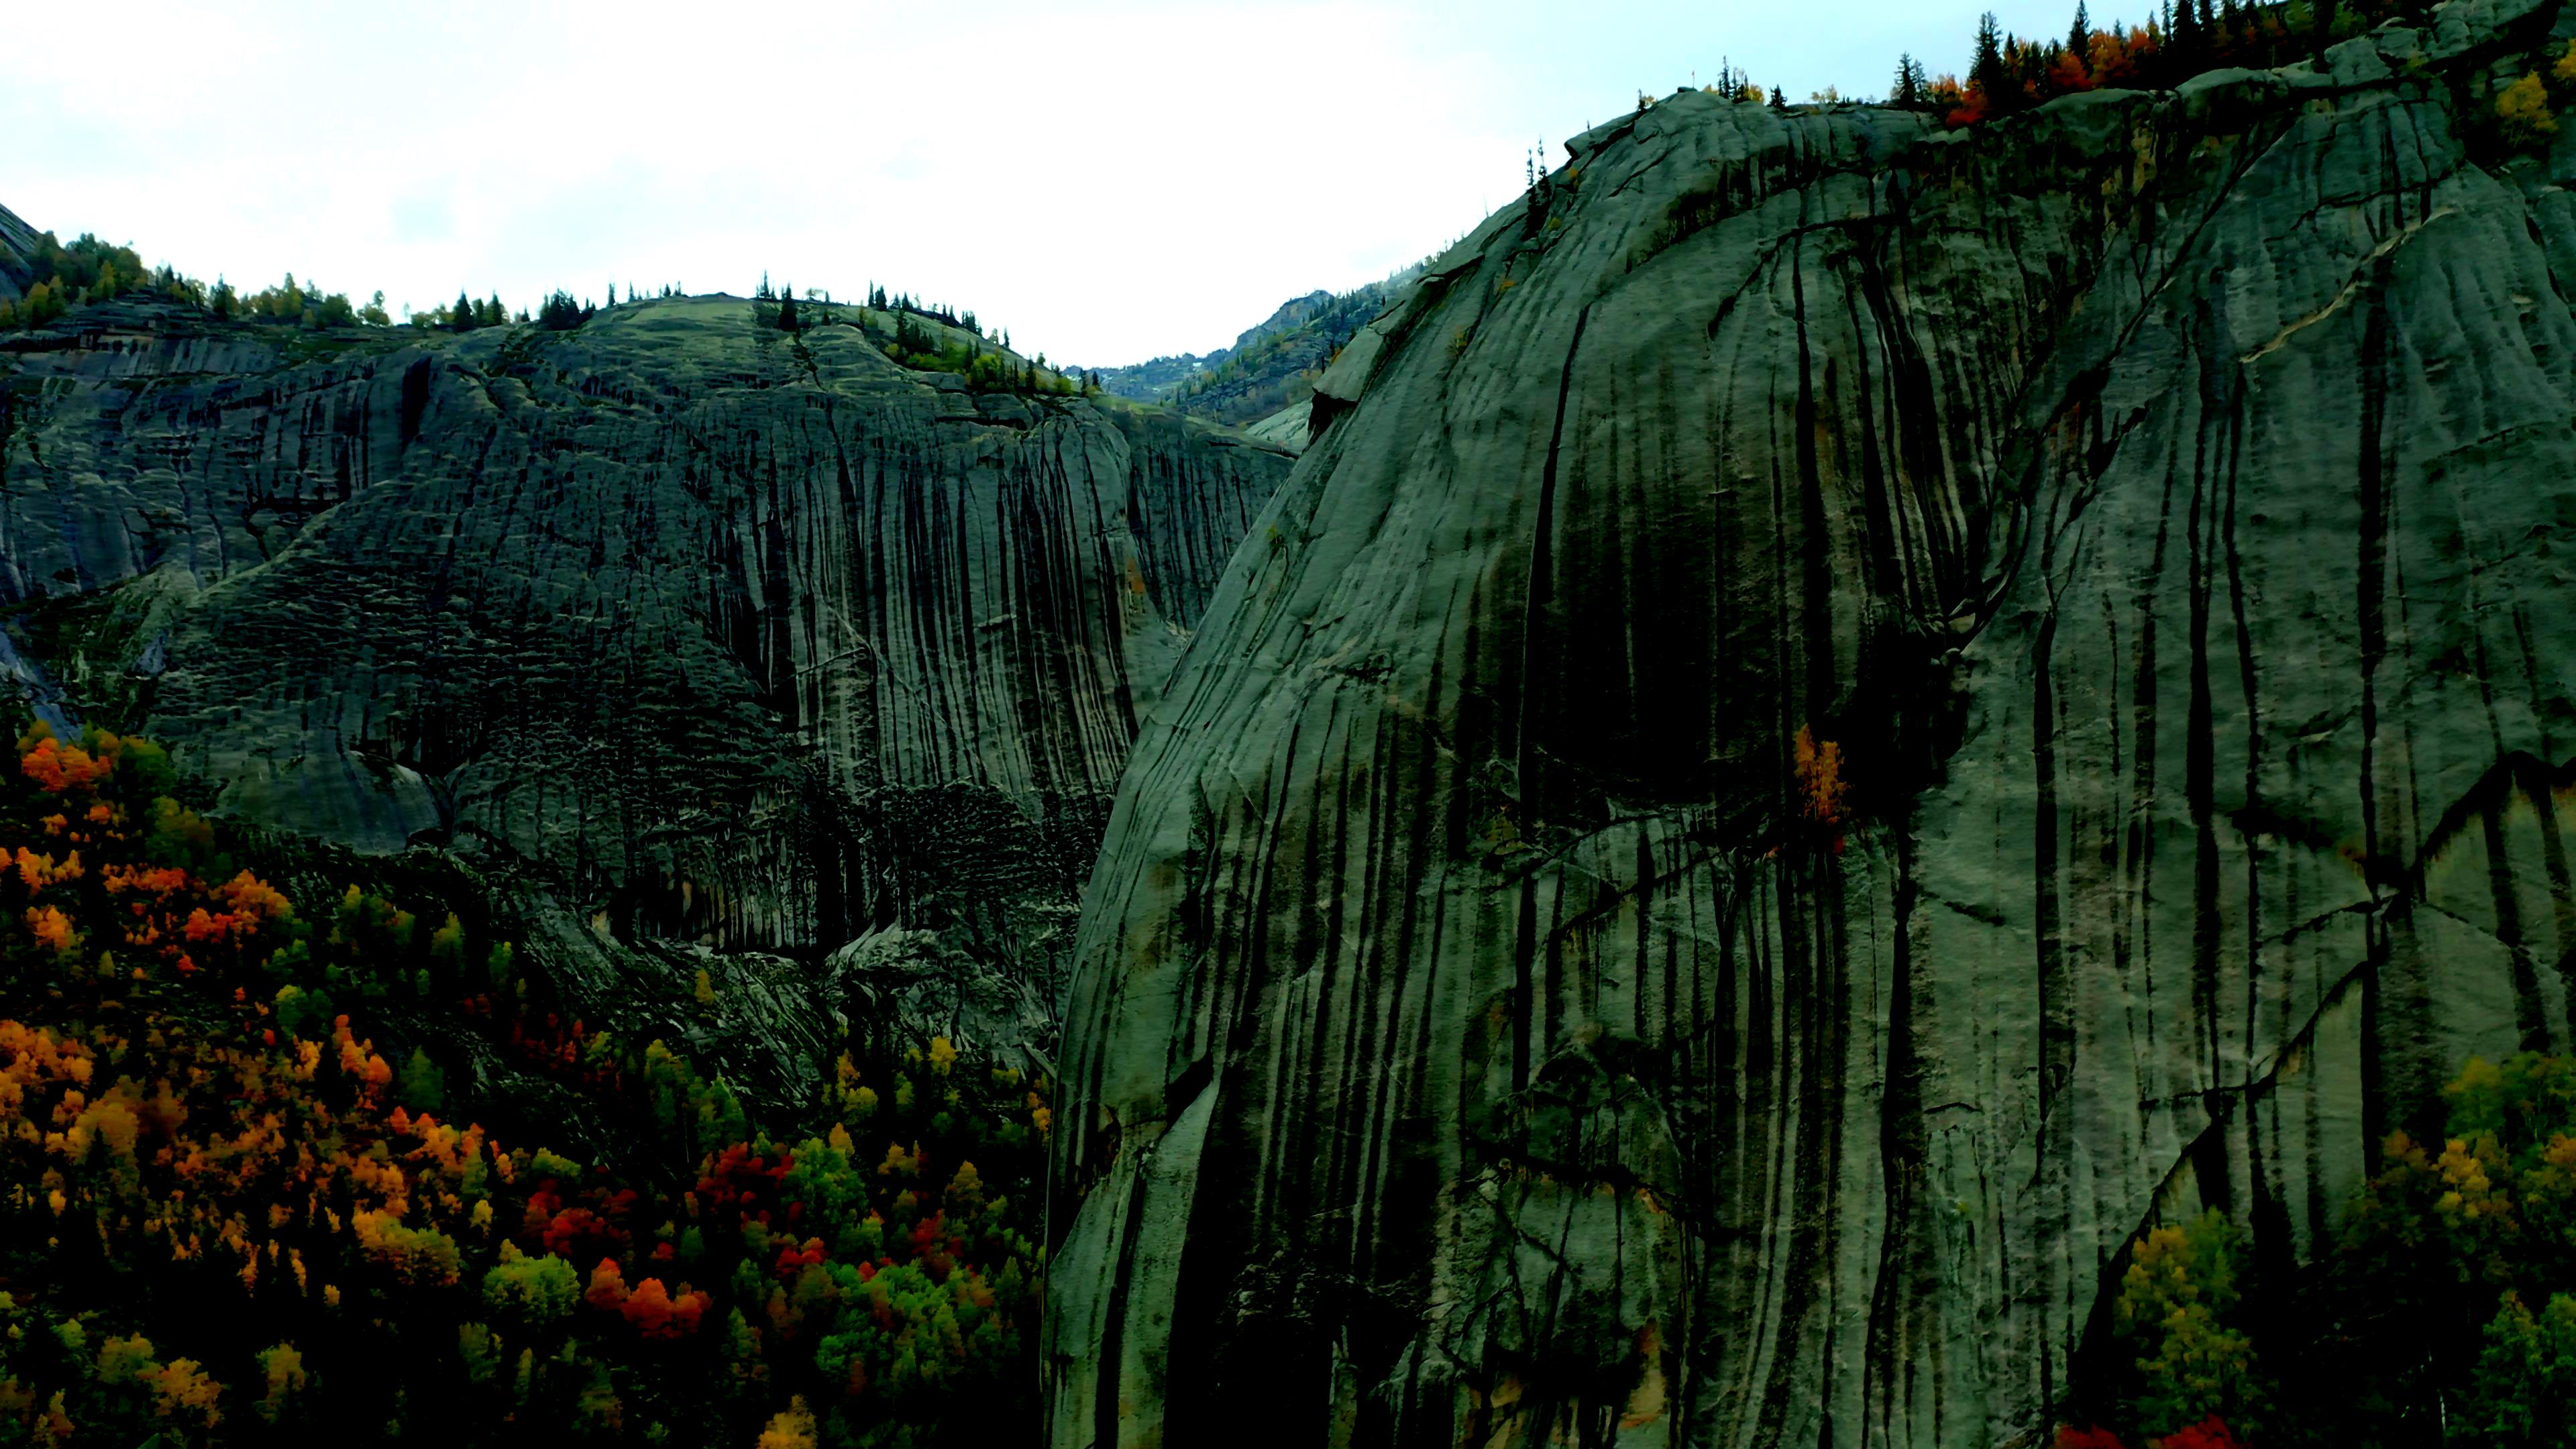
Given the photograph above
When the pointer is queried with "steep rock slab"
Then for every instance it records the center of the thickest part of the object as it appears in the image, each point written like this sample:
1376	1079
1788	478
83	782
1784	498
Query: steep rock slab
725	635
1835	716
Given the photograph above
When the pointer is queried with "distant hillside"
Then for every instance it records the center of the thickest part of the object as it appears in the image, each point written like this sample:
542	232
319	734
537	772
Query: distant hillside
1152	381
1270	367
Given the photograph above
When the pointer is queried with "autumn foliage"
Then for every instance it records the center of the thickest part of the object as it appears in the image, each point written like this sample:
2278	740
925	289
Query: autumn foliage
1819	767
247	1201
2009	73
2440	1308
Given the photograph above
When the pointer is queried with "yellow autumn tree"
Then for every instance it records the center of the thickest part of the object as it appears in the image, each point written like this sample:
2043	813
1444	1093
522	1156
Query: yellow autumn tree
183	1390
790	1428
2523	112
282	1369
1820	776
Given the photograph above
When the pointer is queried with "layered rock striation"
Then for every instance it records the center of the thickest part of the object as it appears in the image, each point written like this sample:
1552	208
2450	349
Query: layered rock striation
714	636
1837	716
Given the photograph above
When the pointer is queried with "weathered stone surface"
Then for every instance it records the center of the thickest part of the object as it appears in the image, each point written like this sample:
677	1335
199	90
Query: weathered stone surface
1286	427
18	243
712	634
1484	1031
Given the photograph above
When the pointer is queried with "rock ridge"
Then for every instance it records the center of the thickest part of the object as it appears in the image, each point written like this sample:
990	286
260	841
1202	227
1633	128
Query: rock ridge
710	634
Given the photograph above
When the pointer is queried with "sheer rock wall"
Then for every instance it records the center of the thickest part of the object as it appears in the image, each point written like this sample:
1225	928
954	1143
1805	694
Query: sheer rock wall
1836	716
725	635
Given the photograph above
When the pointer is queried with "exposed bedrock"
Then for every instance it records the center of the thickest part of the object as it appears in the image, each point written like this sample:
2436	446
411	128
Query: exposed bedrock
1835	716
726	636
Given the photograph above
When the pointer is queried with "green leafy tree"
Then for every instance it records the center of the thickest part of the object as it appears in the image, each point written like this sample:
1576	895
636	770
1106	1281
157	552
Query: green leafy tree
2175	1310
422	1087
2523	1393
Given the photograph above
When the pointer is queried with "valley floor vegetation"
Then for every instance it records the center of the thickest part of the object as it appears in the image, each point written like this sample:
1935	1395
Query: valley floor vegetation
2442	1312
248	1200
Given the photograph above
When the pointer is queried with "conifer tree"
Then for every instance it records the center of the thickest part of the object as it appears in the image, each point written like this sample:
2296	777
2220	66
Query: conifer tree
2079	38
461	316
1987	70
2188	37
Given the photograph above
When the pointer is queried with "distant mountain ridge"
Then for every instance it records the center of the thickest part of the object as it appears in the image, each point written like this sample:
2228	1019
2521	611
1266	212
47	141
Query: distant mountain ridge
1271	365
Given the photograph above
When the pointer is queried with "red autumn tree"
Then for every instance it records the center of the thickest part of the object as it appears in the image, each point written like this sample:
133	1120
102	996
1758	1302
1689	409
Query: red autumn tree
607	1286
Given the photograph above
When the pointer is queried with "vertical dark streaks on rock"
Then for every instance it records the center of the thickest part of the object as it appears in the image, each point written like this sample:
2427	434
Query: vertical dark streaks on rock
1816	610
2240	606
1901	1278
1535	671
1899	1095
2200	729
2562	896
1107	1397
2370	608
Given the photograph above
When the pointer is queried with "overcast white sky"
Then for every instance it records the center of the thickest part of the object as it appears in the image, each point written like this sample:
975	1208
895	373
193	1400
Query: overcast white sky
1110	179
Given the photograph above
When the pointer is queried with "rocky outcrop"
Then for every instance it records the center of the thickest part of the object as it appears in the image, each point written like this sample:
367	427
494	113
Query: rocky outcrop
18	246
1289	427
710	634
1837	716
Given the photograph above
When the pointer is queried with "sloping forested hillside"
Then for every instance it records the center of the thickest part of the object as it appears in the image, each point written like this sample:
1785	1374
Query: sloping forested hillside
251	1198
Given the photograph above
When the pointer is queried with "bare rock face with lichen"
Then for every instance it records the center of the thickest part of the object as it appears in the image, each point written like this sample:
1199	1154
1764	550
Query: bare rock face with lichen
696	635
1836	716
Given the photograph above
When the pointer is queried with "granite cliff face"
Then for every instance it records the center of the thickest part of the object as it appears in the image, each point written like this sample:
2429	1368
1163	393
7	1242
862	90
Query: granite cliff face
699	637
1837	716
